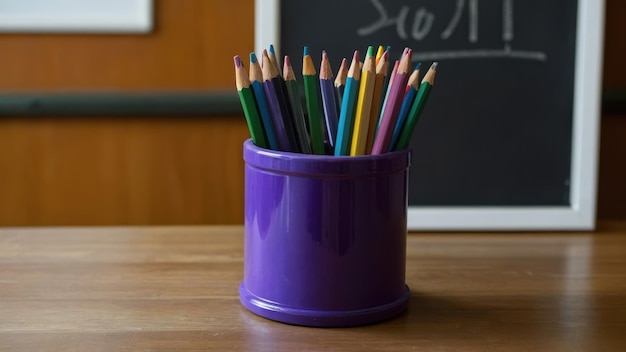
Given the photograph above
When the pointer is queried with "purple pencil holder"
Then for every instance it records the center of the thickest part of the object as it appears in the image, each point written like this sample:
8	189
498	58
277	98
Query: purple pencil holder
325	237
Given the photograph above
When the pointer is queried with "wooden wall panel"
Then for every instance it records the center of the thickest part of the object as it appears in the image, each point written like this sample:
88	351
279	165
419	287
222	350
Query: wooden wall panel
612	169
191	48
614	76
117	171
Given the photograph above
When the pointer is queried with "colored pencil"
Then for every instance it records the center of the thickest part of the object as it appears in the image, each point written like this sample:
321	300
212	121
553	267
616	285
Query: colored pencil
277	107
382	70
409	96
348	107
379	53
296	107
364	104
385	90
313	106
285	104
417	108
273	59
340	81
329	101
256	79
248	104
392	106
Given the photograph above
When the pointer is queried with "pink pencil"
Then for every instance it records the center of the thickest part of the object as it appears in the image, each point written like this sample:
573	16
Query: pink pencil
389	115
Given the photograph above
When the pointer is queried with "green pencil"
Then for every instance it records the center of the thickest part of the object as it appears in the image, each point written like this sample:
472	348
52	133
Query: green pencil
312	95
416	108
296	107
250	110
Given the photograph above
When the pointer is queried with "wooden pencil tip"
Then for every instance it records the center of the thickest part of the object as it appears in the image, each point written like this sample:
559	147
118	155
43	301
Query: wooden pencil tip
370	51
386	55
418	65
324	55
238	62
434	66
305	51
356	57
272	49
253	58
287	62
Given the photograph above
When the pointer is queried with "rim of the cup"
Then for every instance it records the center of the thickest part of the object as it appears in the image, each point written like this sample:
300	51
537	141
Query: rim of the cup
391	162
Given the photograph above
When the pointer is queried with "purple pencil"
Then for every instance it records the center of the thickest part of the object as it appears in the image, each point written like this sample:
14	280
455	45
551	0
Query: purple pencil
328	98
389	115
274	104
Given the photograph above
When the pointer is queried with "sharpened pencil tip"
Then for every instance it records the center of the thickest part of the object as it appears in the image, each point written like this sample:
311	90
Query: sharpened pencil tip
370	51
238	62
388	48
386	55
324	55
253	58
418	65
272	49
305	52
287	62
356	57
434	66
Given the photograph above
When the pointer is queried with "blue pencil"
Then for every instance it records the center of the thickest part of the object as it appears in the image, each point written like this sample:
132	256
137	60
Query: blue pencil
329	99
256	77
271	75
284	141
348	108
409	97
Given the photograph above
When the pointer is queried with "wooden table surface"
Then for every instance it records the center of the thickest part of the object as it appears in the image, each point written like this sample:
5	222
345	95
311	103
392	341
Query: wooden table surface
176	289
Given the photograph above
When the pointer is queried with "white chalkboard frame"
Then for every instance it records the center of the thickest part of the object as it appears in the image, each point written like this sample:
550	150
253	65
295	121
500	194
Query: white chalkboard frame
581	214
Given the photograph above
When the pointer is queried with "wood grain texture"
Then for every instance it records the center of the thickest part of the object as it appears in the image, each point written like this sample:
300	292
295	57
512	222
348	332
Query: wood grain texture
117	171
175	288
191	47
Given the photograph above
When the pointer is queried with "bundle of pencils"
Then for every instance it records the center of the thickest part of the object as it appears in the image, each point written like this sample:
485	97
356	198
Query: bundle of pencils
364	110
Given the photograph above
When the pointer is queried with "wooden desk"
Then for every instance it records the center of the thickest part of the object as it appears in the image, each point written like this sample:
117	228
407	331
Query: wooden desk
175	289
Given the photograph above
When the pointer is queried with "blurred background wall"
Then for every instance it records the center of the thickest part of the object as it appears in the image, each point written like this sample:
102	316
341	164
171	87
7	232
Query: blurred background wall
136	170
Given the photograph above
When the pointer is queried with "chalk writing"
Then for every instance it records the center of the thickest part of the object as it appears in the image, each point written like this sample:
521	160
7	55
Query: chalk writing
422	26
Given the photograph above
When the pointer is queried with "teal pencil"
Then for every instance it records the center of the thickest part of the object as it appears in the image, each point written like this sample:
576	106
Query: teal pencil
296	107
313	103
348	108
256	79
417	108
249	105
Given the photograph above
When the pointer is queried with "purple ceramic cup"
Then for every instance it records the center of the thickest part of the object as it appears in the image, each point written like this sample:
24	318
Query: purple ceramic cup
325	237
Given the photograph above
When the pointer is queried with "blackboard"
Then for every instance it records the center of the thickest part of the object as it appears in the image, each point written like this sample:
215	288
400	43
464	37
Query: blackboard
499	127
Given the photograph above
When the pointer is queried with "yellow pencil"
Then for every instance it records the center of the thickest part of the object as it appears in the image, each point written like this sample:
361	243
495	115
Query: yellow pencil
382	70
364	104
379	53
